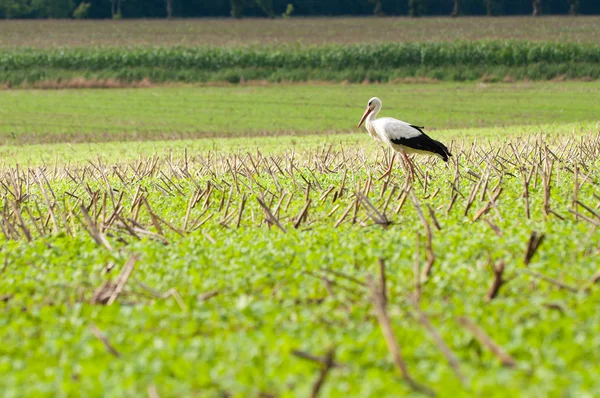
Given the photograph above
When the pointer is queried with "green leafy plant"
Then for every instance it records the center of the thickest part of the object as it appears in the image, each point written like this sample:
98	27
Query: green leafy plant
288	11
82	10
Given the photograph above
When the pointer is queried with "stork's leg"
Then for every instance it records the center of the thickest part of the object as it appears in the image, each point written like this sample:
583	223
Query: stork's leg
412	170
389	170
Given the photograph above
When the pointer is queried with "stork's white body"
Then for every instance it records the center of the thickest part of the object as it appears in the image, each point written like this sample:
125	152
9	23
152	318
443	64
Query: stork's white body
386	129
402	137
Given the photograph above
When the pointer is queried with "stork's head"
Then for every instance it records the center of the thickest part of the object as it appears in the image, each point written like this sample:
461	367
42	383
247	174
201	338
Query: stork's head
374	105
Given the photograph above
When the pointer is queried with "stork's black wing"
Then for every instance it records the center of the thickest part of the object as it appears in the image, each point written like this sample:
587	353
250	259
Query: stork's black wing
423	142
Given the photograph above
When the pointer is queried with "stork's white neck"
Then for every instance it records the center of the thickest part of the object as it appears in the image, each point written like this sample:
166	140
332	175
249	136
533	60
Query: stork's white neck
371	118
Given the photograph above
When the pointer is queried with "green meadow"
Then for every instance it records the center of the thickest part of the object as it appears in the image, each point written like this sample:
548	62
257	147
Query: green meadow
44	116
217	266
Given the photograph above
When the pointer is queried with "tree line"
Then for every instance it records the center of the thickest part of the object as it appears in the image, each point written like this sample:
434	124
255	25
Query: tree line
115	9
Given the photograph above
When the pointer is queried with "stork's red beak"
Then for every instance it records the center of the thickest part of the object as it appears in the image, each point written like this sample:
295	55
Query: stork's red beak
364	116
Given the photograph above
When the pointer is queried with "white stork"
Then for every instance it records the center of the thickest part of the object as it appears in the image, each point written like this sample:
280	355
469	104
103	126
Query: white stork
400	136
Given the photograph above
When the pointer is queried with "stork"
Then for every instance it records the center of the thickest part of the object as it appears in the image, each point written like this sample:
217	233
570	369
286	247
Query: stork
400	136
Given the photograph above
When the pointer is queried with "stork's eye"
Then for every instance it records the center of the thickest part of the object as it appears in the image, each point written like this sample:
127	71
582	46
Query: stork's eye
370	102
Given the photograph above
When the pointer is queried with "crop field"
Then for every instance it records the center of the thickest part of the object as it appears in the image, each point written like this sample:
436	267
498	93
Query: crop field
118	53
97	115
259	272
164	238
315	31
488	61
284	265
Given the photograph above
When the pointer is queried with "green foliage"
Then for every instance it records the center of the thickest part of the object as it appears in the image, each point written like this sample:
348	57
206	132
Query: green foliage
220	297
81	12
377	10
574	7
15	8
220	310
54	8
462	60
335	57
491	7
417	8
137	9
288	11
267	7
237	8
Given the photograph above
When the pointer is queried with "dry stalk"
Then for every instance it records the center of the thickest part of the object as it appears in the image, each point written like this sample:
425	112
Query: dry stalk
372	211
589	209
345	213
388	333
302	215
434	218
123	278
486	341
329	361
343	275
592	281
383	281
497	282
586	218
315	358
428	246
100	336
443	347
417	268
270	218
98	237
21	224
552	281
472	196
576	190
526	180
535	240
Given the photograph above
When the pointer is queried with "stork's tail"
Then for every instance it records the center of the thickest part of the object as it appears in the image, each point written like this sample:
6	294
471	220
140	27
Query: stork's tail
442	151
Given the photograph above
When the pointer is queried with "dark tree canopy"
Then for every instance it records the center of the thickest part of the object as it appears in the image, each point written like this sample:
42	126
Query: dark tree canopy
99	9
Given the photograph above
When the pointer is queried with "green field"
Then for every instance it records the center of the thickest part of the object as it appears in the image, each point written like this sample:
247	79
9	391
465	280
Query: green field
49	54
487	61
220	240
32	116
213	267
217	301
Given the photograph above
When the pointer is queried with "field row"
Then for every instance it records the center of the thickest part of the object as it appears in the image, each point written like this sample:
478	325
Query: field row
49	116
223	32
463	60
376	56
227	180
245	269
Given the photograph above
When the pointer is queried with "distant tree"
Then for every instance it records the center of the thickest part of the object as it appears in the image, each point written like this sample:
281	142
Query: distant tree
377	10
537	7
169	4
53	8
115	9
81	12
416	8
490	7
14	8
456	9
237	7
266	6
288	11
573	7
